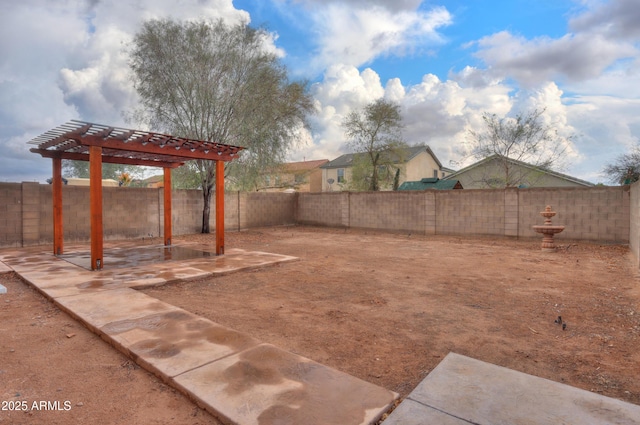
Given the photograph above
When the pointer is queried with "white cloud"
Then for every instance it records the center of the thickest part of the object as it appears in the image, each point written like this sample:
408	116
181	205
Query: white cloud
356	35
441	114
434	112
64	59
615	18
575	57
605	37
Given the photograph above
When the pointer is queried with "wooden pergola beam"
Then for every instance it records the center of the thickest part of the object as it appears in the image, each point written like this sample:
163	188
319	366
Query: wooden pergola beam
153	149
74	156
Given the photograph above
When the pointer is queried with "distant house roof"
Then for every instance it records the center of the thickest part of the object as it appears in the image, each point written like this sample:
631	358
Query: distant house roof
522	164
431	183
409	153
294	167
154	179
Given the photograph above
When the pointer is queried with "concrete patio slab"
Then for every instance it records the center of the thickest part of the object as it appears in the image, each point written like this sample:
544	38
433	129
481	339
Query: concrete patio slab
410	412
96	309
266	385
175	342
472	391
128	266
5	268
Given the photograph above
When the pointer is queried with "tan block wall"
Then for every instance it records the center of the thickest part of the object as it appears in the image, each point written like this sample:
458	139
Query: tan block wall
26	212
607	214
634	221
11	214
394	211
471	212
323	209
131	212
30	214
597	213
267	209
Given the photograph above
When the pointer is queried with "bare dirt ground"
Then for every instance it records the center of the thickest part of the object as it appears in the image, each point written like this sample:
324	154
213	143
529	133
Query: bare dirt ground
385	308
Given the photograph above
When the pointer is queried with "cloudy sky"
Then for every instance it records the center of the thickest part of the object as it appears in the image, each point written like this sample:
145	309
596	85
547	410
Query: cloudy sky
444	61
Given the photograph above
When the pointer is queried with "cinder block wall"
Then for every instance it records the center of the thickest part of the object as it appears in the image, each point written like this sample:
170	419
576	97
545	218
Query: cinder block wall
607	214
394	211
130	212
634	221
259	209
26	212
597	214
472	212
11	214
323	209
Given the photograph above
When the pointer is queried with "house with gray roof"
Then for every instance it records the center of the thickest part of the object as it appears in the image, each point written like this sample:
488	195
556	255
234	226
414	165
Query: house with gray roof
414	163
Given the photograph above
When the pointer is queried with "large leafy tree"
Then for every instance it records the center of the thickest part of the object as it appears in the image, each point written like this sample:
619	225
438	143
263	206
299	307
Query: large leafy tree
376	132
525	138
212	81
625	169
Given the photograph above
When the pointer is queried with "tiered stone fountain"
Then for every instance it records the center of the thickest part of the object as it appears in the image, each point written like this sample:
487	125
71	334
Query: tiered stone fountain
548	230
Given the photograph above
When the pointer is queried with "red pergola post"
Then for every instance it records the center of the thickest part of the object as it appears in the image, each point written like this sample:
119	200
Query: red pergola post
219	207
58	240
95	199
167	206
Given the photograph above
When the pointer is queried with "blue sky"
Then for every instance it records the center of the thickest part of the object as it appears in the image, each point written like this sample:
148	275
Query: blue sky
445	62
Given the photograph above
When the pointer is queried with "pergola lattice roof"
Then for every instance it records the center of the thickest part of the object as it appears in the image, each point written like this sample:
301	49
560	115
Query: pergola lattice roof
123	146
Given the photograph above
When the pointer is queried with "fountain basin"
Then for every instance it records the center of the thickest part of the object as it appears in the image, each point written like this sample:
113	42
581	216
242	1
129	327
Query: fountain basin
548	231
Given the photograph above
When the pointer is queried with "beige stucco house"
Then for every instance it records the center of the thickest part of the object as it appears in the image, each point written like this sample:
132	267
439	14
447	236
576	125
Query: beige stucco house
415	163
302	176
498	172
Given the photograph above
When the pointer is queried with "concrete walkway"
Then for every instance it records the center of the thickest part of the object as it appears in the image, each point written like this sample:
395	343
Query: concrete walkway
232	375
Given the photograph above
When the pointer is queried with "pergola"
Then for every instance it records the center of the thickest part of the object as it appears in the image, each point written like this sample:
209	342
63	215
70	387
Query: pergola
83	141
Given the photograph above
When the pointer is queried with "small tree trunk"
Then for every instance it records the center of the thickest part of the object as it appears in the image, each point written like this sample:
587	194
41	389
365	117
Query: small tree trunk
396	180
207	191
374	175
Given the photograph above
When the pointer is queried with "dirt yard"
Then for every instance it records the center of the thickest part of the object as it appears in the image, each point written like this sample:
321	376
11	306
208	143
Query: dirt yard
385	308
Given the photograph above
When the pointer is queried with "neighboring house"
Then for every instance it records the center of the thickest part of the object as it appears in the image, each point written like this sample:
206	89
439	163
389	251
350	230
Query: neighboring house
489	173
303	176
431	183
153	181
415	163
77	181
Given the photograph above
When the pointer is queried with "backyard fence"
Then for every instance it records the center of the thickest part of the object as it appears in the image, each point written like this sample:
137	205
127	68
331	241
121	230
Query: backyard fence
604	214
597	214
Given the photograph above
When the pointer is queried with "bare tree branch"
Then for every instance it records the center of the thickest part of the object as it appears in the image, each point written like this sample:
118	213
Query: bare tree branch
524	138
